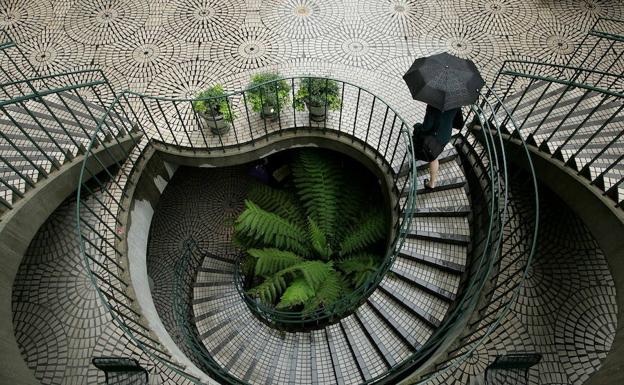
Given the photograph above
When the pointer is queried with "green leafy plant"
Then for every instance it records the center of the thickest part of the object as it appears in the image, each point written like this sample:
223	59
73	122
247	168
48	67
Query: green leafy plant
318	92
213	103
268	90
313	241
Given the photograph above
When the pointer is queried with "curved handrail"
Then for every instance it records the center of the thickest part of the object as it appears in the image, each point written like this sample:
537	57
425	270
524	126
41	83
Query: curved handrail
107	251
456	361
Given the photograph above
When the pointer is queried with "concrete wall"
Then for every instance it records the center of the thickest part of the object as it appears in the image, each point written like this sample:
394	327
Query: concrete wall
17	229
606	223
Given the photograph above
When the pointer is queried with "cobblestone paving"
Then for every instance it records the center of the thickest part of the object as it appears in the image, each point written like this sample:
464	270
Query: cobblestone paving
175	48
566	310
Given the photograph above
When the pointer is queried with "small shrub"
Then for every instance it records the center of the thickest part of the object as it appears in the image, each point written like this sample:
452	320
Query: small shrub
318	92
215	103
268	89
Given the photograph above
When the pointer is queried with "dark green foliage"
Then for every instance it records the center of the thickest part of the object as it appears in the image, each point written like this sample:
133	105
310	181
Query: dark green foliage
264	228
318	240
268	89
318	92
318	181
311	246
270	261
298	293
280	202
359	267
369	230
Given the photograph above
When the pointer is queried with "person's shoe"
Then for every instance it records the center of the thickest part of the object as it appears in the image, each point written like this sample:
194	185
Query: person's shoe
428	186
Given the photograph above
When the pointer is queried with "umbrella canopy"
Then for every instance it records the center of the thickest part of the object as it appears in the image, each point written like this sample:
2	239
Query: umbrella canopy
444	81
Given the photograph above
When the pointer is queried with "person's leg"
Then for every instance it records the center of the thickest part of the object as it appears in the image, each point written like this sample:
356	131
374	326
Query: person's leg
434	165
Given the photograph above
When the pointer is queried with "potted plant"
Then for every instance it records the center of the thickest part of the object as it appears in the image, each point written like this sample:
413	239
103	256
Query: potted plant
318	95
212	105
268	93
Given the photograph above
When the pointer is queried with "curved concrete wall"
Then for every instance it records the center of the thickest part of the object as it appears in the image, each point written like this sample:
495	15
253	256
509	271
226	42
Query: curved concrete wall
17	229
606	223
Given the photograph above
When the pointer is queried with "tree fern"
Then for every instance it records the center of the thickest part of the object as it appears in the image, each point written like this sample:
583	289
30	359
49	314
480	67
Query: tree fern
368	231
282	203
318	180
358	268
270	261
271	289
333	287
293	237
353	200
297	293
268	229
318	240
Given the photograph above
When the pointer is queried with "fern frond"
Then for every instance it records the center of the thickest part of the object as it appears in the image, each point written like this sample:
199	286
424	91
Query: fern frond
269	290
314	272
270	261
318	180
333	287
371	229
282	203
297	293
353	200
258	227
358	268
318	239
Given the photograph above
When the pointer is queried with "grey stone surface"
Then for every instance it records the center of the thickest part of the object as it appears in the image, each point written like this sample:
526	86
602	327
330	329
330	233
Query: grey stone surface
191	44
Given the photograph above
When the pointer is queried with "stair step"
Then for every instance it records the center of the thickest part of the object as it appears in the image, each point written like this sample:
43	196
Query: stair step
440	237
433	289
393	349
450	211
433	261
401	297
367	356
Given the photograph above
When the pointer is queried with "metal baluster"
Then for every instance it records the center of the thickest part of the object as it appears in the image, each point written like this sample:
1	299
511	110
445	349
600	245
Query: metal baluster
171	131
149	114
341	108
253	143
177	110
370	119
199	124
227	102
357	108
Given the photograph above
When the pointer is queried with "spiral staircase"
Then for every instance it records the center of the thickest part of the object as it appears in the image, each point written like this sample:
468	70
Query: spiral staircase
458	256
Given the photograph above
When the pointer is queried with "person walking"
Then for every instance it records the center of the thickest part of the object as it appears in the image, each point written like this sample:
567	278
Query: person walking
438	124
445	82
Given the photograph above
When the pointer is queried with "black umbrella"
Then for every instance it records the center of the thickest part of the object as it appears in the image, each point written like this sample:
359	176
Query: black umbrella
444	81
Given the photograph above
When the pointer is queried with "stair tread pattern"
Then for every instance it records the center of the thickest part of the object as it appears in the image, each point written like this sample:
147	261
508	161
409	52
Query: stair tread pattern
397	319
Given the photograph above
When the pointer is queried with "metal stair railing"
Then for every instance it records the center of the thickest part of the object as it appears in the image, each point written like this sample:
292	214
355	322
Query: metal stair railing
596	153
168	124
47	120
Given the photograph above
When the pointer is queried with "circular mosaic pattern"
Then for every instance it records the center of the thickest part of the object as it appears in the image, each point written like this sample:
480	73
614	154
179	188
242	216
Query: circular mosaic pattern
464	41
302	18
356	45
23	18
145	53
250	48
401	17
42	341
583	13
499	17
105	21
203	20
552	42
183	81
54	52
586	328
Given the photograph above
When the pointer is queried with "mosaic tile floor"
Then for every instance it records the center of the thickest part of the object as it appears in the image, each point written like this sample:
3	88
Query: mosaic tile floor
566	311
175	48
